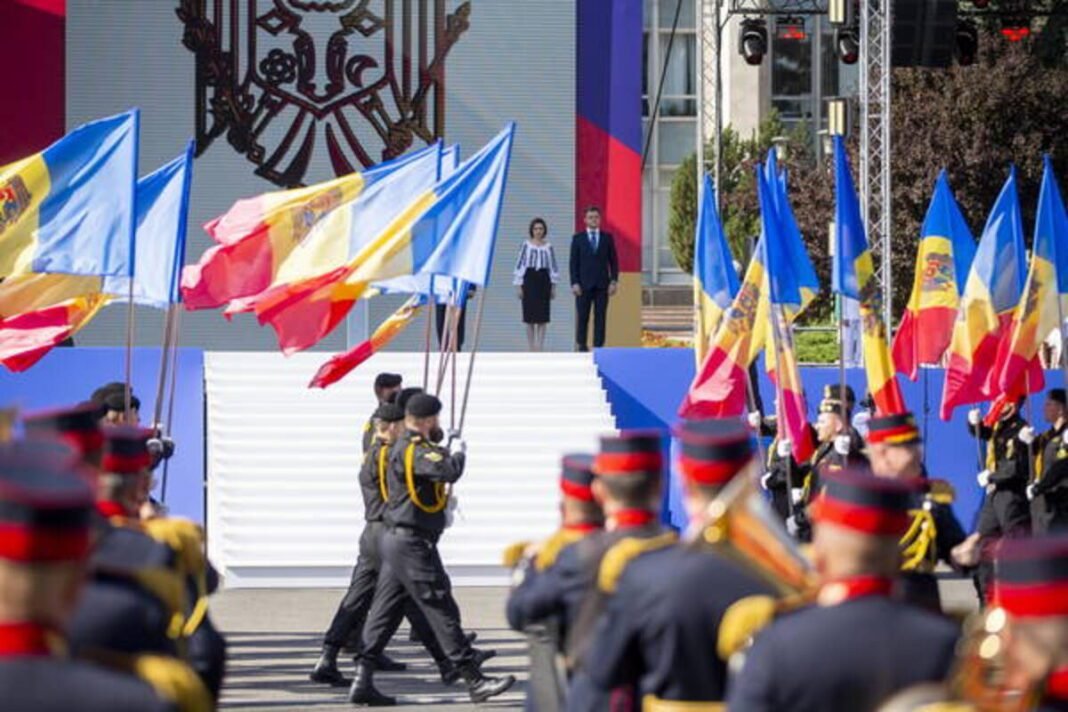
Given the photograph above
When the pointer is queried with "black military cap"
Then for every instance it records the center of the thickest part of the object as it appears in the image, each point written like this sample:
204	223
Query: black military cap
856	499
116	400
1057	395
834	392
126	450
388	380
896	429
106	390
405	395
714	450
423	405
389	413
576	476
630	452
1031	576
77	426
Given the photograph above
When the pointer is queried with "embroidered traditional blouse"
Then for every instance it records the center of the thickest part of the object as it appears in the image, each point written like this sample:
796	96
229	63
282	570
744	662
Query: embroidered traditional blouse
533	256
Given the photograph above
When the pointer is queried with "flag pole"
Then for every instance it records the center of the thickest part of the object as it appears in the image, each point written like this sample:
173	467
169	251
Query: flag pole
452	389
841	360
170	399
164	358
432	309
471	362
776	340
926	410
128	388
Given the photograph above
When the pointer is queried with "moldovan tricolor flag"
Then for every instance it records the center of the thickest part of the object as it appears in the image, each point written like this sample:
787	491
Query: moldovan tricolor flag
258	236
783	290
943	259
1045	296
70	208
715	280
991	293
449	230
853	276
719	388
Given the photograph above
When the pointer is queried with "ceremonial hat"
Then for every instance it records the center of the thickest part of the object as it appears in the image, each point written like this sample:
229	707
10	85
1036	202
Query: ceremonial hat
388	380
75	425
116	400
857	499
897	429
423	405
389	413
406	395
1031	576
45	507
126	450
1058	395
630	452
105	390
576	476
832	399
715	450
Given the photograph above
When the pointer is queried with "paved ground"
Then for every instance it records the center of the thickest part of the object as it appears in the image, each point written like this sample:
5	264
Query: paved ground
274	637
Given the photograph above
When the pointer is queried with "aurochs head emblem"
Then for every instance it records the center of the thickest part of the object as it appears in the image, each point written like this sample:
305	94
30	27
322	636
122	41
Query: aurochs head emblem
285	79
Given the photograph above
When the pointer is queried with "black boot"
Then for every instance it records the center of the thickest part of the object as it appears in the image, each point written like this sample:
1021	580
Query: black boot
449	673
326	669
480	687
363	690
384	663
471	637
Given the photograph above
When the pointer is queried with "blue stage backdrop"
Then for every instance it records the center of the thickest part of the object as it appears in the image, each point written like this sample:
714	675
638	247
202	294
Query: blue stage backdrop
67	376
645	387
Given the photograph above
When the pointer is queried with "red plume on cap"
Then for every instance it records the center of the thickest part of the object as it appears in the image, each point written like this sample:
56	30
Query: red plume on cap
857	499
630	452
1031	576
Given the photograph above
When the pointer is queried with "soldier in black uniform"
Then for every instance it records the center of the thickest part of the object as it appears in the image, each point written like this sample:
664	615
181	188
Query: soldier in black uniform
352	611
660	629
419	472
783	472
1046	448
629	475
1052	490
840	445
856	646
896	452
1032	589
1005	510
387	386
534	604
45	510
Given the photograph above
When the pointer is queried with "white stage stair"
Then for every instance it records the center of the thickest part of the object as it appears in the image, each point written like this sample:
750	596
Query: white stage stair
283	502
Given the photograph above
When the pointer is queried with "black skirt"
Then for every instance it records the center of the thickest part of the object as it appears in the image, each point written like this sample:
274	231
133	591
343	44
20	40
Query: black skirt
537	289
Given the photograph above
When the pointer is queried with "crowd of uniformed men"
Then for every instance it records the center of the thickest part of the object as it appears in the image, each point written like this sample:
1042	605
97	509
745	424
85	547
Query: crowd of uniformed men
103	598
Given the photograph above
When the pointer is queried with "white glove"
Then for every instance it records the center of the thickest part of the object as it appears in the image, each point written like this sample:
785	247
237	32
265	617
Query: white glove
974	417
797	495
1031	491
754	420
450	511
457	445
765	479
860	422
784	448
983	478
1064	437
791	526
1026	435
841	444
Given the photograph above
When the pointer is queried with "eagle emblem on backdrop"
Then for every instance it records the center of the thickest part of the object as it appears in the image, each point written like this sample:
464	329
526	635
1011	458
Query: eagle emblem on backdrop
284	82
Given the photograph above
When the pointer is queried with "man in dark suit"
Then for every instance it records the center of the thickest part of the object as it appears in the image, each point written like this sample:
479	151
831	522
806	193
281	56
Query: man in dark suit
594	277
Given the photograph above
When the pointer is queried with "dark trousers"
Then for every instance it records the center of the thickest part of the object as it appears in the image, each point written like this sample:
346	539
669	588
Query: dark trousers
1004	513
412	569
206	653
597	299
440	316
352	612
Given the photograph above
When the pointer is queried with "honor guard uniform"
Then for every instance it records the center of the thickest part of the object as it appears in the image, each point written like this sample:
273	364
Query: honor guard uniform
1005	510
895	451
856	646
661	626
78	427
1031	587
1047	447
628	479
1051	491
387	385
784	473
538	604
45	511
419	472
352	611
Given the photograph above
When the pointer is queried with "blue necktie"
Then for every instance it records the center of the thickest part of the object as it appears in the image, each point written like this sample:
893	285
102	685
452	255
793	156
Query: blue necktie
593	240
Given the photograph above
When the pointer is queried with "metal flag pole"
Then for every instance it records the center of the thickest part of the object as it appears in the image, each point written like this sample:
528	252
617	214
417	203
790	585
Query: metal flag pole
841	360
471	362
170	398
926	411
164	358
431	311
446	348
128	387
452	368
776	341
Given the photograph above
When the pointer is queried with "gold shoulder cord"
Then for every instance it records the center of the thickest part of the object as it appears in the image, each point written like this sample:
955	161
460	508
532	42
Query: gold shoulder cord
383	460
623	552
918	552
409	477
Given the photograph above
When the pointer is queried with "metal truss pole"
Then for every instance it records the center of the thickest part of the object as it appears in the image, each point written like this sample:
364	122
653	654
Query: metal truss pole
710	89
875	24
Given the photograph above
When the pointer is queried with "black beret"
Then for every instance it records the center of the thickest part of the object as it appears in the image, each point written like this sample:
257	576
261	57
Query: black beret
116	400
423	405
105	390
389	413
405	395
388	380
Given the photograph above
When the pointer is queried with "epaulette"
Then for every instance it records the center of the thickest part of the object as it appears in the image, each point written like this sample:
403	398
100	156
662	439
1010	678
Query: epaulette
623	552
652	703
741	621
186	538
175	682
552	547
513	554
941	492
